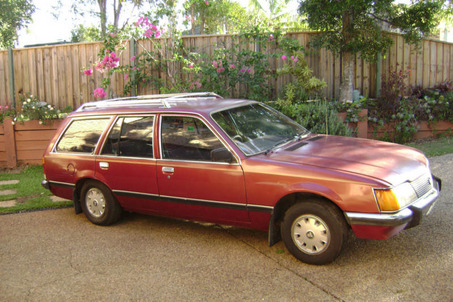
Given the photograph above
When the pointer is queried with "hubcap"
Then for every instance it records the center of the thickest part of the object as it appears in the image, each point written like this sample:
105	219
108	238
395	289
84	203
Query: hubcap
310	234
95	202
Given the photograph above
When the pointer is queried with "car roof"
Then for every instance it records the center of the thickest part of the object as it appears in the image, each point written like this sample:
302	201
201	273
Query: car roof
201	103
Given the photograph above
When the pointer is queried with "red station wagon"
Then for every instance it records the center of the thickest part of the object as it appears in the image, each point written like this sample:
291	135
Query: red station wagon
236	162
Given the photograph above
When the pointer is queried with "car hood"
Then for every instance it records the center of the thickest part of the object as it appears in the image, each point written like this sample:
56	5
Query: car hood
389	162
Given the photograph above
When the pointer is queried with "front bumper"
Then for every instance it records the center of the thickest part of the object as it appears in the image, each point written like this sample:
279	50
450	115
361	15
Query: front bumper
383	226
45	184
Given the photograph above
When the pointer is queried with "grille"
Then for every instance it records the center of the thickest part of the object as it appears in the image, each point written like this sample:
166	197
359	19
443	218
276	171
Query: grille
422	185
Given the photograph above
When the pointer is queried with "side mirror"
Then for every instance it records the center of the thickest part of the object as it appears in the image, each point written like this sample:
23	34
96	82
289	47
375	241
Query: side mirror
222	155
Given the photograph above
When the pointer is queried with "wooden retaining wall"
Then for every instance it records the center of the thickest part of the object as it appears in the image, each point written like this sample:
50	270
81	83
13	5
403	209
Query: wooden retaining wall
24	143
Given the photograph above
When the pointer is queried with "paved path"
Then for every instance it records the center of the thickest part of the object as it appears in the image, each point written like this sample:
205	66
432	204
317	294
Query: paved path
4	192
59	256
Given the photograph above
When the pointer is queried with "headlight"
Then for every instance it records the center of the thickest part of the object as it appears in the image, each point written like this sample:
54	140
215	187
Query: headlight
395	198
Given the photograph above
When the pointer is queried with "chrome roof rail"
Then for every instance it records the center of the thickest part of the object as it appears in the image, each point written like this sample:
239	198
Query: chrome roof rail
153	99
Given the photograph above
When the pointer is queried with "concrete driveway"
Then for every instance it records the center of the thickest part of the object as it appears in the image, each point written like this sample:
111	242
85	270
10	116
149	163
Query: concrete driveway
58	256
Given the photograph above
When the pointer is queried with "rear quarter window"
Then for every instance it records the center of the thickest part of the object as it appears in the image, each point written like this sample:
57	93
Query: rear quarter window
82	136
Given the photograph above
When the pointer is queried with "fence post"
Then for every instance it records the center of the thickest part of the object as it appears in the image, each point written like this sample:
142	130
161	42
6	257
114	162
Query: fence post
362	124
378	75
12	88
133	51
10	142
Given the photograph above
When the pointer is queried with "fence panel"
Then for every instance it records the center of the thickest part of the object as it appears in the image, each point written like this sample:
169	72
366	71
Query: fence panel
54	73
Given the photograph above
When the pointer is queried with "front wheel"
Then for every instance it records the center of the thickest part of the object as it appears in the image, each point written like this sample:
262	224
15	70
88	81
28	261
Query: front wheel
99	204
314	231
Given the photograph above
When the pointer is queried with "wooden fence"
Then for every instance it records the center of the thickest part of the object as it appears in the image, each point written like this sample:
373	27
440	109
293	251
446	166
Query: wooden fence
54	73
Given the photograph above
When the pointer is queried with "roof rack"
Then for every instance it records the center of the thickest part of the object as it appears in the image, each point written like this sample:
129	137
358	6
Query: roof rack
164	100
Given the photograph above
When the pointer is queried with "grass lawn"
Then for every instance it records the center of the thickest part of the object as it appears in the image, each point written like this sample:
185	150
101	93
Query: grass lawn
434	147
30	195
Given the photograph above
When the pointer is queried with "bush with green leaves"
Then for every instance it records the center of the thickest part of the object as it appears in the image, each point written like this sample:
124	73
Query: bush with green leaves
317	116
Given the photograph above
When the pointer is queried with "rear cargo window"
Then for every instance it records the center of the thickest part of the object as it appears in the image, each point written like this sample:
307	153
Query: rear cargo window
82	136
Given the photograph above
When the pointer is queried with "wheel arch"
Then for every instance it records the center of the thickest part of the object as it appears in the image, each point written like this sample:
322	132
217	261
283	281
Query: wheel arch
284	204
78	189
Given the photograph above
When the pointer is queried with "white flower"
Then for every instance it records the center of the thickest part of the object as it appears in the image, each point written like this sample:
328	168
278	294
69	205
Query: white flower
28	100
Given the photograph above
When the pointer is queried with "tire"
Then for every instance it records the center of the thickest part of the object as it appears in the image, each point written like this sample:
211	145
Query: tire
314	231
98	204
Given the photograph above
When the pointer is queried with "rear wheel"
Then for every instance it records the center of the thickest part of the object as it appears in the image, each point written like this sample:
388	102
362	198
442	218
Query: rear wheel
314	231
99	204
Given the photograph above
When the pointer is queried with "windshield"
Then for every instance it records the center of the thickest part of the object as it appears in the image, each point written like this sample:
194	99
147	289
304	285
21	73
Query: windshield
257	128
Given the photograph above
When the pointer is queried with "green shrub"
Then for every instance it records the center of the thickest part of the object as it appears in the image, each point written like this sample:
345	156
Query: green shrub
317	116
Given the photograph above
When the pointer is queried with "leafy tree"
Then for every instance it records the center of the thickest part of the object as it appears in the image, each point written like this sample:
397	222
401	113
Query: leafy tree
352	27
82	34
215	16
271	11
14	14
108	12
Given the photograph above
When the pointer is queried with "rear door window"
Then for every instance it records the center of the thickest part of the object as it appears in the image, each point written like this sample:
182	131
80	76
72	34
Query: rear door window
131	136
82	136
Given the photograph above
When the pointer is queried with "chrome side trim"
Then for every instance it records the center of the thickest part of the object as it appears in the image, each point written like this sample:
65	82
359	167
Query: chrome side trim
61	184
412	213
195	201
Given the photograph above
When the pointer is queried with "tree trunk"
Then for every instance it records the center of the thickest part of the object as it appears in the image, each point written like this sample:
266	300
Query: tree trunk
347	61
117	12
347	75
103	14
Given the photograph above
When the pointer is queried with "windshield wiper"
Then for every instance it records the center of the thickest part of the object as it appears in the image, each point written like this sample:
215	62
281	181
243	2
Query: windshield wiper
302	135
287	139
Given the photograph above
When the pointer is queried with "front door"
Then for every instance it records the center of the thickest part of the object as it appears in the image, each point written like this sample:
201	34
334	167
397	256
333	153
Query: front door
197	175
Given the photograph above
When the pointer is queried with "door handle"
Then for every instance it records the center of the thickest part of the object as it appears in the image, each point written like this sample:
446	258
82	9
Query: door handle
168	169
104	165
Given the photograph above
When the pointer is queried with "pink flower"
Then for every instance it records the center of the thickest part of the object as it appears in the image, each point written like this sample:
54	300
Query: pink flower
88	72
126	77
232	66
206	2
214	63
295	60
133	58
190	65
283	57
220	69
271	37
99	93
6	107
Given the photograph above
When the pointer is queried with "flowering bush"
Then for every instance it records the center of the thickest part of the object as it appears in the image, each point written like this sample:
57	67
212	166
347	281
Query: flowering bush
6	111
233	67
403	108
33	109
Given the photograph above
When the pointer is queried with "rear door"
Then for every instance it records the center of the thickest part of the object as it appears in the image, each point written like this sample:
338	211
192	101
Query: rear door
198	176
127	164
